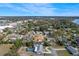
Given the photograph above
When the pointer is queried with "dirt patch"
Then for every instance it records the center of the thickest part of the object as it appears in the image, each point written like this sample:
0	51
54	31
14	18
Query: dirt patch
5	48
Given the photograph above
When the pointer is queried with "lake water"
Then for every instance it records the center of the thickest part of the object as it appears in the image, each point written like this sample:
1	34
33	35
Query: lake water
76	21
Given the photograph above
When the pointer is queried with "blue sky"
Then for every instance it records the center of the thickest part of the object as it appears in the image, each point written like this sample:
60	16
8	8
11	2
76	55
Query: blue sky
39	9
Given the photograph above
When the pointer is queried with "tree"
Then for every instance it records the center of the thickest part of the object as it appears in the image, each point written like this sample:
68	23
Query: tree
18	43
60	43
46	43
7	30
29	43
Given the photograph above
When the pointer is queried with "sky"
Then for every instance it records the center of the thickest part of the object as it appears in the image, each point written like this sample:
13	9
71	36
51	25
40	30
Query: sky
39	9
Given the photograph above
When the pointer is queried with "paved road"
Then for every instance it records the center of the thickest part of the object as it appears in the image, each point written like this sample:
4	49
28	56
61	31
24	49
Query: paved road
53	52
59	48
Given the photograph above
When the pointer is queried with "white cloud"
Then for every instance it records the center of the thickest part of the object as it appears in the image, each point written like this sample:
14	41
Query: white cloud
37	9
42	9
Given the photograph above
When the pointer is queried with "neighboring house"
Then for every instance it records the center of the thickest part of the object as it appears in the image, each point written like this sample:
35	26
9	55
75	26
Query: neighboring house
39	32
50	38
49	29
72	50
13	37
46	33
29	35
77	39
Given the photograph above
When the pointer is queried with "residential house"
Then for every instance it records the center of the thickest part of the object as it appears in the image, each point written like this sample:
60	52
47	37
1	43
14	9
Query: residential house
72	50
13	37
38	43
